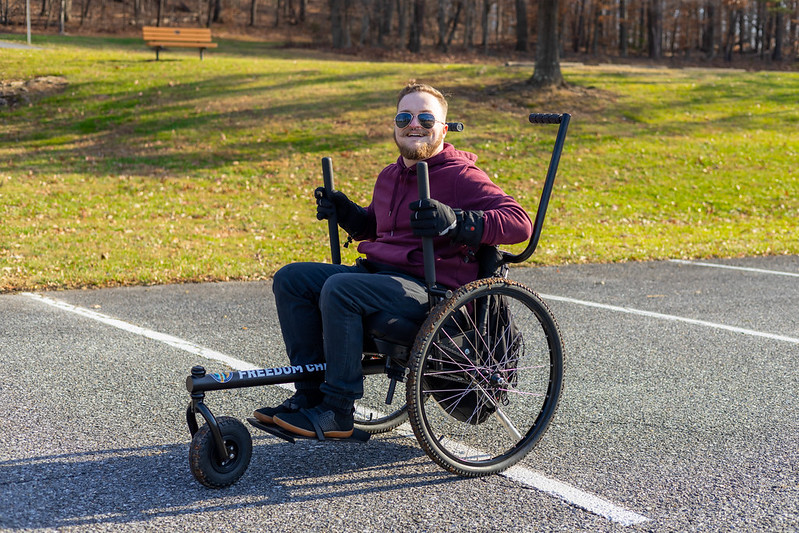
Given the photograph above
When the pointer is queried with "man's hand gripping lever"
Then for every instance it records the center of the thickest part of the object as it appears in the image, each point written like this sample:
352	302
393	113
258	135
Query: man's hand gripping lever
431	218
334	205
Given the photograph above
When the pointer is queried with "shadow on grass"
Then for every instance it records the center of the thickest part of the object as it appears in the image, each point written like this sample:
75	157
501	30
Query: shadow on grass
123	127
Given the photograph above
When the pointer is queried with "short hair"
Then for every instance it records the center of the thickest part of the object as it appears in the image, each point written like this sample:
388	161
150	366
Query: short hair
414	87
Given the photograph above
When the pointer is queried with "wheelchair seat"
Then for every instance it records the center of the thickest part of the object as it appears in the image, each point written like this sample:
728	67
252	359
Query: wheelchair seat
389	328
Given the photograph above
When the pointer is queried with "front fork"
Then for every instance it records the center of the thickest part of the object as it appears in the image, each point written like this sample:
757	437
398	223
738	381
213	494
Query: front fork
197	406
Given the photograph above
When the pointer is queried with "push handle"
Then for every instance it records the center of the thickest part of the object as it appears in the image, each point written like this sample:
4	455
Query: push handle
543	118
547	118
332	222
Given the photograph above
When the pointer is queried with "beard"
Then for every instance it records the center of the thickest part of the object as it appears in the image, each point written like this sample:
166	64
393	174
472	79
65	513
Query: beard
419	152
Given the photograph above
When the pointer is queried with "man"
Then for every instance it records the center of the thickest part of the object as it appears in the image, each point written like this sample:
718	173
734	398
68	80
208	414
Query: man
321	307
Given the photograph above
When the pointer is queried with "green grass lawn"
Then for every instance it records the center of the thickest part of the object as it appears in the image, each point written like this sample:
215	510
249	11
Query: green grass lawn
182	170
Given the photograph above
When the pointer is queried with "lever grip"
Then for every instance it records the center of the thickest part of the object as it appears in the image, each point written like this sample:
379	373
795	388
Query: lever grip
332	222
545	118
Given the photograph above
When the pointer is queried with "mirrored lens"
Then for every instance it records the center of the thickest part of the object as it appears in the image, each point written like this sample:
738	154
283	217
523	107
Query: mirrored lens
427	120
403	119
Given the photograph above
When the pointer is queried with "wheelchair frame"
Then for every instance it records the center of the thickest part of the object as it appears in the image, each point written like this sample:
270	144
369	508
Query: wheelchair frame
220	451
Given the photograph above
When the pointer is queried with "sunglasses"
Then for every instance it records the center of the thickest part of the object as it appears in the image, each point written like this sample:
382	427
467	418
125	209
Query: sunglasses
426	120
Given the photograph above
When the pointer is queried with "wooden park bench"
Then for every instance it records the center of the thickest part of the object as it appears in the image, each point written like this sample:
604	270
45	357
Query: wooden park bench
163	38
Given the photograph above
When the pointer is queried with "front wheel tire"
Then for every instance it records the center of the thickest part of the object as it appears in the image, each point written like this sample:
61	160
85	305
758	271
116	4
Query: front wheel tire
209	469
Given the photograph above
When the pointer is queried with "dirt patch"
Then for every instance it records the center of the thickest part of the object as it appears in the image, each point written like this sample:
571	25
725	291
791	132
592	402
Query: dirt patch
14	93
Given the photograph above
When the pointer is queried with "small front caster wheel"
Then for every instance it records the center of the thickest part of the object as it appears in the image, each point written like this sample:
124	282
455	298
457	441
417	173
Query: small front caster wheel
211	470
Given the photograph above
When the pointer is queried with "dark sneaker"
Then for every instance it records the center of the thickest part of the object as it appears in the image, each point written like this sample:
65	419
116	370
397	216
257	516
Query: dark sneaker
291	405
320	422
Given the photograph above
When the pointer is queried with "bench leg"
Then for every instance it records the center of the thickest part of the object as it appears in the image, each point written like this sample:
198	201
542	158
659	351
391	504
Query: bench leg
201	53
157	50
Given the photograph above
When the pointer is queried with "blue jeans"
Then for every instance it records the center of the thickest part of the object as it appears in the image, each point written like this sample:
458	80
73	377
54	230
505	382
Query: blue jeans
321	308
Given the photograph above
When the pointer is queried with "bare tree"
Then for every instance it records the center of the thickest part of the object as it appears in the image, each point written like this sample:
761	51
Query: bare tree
253	12
337	23
443	24
417	27
522	31
623	25
547	53
779	31
655	28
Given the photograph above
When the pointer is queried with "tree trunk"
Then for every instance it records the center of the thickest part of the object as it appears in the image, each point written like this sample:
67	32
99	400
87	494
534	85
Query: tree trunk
455	19
469	24
417	27
779	32
547	56
579	28
443	24
62	8
217	10
729	41
708	30
655	29
384	27
623	25
402	19
337	23
85	11
253	12
366	23
522	30
794	32
486	13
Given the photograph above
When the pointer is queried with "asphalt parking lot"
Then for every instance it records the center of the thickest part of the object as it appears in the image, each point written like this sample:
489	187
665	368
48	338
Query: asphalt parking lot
679	413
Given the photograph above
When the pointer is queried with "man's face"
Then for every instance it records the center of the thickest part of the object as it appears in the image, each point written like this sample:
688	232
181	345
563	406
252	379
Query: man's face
415	142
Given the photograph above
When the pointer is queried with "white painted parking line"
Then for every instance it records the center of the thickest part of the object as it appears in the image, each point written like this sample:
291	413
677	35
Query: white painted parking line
519	474
674	318
576	497
731	267
175	342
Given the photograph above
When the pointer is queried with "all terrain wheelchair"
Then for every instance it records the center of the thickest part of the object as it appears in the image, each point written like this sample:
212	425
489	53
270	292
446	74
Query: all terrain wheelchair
483	373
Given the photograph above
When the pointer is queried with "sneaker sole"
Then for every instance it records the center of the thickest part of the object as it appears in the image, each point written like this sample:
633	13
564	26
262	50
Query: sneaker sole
263	418
312	434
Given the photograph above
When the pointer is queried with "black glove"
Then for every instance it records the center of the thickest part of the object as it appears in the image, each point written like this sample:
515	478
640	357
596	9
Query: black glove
350	216
431	218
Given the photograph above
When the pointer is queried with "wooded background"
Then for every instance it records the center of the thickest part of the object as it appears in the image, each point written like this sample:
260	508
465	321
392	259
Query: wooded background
761	31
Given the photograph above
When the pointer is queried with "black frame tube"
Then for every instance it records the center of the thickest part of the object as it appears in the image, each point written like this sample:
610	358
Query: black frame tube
542	118
332	222
239	379
428	252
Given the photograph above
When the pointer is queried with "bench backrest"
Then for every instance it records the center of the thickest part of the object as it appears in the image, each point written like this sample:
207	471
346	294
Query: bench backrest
193	35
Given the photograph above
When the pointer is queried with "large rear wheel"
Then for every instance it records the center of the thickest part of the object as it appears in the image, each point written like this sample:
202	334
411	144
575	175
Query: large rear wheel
486	373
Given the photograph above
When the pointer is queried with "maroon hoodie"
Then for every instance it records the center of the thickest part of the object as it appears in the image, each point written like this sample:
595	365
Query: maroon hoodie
457	182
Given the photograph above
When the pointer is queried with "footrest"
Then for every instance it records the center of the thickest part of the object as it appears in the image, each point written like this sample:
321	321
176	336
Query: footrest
358	435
